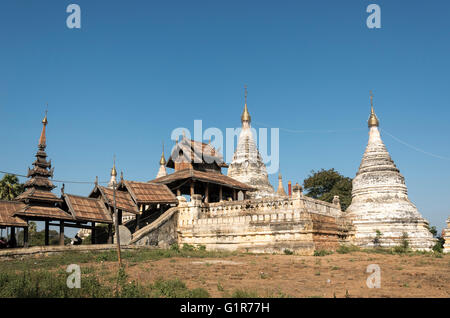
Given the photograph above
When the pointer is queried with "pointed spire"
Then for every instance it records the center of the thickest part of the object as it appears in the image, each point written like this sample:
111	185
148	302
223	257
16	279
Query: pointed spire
42	139
162	161
245	114
373	120
280	190
113	179
113	170
162	165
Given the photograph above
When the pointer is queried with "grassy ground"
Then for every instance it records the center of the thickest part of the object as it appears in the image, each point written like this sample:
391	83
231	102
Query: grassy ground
193	272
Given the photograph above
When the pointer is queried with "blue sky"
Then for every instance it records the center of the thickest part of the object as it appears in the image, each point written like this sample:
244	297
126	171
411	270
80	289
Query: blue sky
137	70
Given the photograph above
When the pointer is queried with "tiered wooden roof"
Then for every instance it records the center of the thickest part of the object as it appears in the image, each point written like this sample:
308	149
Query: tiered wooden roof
87	209
124	201
7	210
210	177
38	212
38	195
39	202
189	153
148	193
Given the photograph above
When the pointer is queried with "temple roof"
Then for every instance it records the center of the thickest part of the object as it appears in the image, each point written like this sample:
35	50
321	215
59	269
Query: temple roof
149	193
87	209
211	177
7	210
124	201
38	195
43	212
200	153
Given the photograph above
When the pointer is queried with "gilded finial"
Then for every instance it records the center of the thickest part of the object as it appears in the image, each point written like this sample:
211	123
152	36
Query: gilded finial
113	170
245	115
162	161
45	121
373	120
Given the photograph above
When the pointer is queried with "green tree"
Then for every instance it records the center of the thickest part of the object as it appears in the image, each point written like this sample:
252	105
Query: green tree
10	187
325	184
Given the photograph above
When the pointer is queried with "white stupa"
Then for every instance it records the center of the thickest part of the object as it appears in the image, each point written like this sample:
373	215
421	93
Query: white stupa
162	172
247	165
380	200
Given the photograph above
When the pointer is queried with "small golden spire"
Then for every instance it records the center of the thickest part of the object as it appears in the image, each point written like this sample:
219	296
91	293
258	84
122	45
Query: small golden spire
162	161
45	121
42	139
113	170
245	115
373	120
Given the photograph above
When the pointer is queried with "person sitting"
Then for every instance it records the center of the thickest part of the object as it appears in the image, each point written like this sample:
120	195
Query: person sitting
76	240
3	243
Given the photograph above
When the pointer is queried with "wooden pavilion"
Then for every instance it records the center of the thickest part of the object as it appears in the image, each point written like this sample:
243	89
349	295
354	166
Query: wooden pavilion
198	170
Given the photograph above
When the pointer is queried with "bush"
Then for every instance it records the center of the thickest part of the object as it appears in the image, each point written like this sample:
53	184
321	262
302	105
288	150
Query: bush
242	293
345	249
322	252
288	252
188	247
439	246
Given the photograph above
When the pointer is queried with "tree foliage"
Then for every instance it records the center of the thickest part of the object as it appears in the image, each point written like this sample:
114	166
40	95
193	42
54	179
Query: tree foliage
10	187
325	184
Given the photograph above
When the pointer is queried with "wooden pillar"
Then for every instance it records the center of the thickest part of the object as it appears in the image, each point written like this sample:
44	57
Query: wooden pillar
46	233
110	234
234	194
13	237
244	195
220	193
25	236
138	218
207	193
192	189
178	192
61	232
93	233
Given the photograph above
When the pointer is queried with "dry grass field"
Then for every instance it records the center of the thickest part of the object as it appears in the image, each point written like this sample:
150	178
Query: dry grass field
194	273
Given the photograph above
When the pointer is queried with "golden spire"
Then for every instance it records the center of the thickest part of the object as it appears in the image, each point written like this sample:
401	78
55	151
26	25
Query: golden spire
162	161
373	120
113	170
245	115
42	139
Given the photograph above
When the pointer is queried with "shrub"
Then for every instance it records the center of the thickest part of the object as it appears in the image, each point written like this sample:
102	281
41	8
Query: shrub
288	252
439	246
322	252
377	239
344	249
242	293
188	247
175	247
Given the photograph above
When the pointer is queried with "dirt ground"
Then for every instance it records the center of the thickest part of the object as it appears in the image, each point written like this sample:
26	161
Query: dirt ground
336	275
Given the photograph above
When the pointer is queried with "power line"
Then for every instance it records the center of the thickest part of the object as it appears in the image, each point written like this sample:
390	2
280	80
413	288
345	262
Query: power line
59	181
414	148
295	131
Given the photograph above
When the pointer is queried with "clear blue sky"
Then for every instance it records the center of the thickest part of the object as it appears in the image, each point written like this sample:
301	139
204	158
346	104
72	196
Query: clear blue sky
138	69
